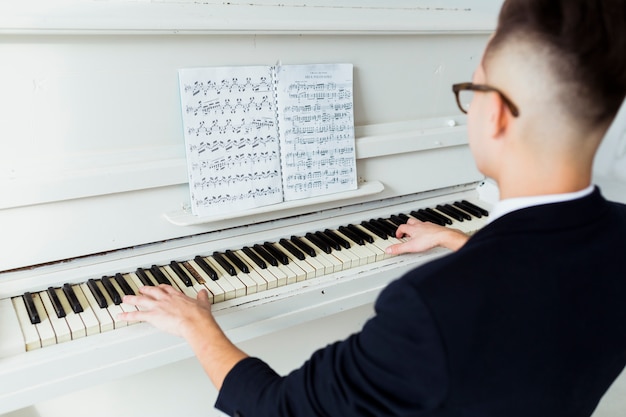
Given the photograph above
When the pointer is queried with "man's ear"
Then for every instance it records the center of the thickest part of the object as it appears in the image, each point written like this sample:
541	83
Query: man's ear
499	116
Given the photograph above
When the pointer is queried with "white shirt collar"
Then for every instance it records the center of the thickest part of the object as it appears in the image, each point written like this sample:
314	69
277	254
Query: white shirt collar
503	207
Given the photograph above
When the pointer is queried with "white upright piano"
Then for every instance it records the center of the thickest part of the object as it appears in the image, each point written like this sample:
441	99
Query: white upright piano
93	184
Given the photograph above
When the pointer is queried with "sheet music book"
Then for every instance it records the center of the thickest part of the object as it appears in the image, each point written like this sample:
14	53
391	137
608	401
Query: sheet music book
261	135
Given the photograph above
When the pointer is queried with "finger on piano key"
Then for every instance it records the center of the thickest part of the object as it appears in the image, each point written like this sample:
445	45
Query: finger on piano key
102	314
59	325
29	330
240	287
123	306
87	315
74	321
114	310
270	279
218	292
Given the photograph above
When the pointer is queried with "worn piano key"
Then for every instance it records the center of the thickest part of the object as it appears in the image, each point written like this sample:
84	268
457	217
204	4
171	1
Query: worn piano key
69	292
29	331
97	294
219	293
111	290
29	303
237	261
101	313
228	267
56	303
192	271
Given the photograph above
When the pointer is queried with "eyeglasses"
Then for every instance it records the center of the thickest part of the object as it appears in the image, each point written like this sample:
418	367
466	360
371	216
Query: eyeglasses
464	94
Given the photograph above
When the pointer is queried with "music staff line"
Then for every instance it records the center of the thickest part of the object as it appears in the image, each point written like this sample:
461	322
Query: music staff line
217	106
227	145
214	182
231	161
234	84
227	198
228	128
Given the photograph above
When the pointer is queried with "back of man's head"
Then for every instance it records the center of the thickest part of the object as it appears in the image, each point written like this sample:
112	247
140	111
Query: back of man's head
582	47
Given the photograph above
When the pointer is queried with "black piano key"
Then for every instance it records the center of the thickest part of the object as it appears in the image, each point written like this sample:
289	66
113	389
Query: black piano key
365	236
121	281
397	220
351	235
424	216
194	273
276	253
228	267
178	270
440	216
56	303
471	210
97	294
33	315
386	226
449	213
206	267
338	239
375	230
159	275
303	246
254	257
143	277
453	211
110	289
330	242
475	207
72	298
318	242
403	217
260	250
232	256
292	249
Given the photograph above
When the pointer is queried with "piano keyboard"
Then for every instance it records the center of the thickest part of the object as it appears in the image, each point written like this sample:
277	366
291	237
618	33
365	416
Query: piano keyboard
72	311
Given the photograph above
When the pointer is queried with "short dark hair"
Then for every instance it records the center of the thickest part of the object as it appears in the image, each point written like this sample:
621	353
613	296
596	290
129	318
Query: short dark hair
586	41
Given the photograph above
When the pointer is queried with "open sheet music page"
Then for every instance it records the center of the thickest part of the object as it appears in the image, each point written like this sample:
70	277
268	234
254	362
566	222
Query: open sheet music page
316	129
231	138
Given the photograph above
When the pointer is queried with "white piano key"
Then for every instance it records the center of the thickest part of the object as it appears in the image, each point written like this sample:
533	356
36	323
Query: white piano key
365	254
11	340
31	335
343	257
331	264
219	293
88	316
102	314
74	322
45	330
268	277
379	245
234	281
59	325
308	270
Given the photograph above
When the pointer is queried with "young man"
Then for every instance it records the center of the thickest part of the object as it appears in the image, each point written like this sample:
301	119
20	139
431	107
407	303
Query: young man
527	317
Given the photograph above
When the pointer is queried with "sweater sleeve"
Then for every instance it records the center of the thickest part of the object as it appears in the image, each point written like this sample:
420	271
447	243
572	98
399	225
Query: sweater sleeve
394	366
